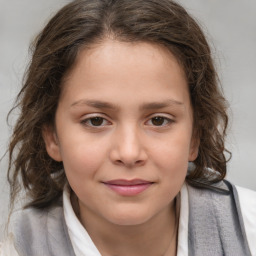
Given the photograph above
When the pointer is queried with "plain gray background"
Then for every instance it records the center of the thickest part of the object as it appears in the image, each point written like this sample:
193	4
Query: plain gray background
229	25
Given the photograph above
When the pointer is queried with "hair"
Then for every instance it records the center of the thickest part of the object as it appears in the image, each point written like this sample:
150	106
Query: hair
84	23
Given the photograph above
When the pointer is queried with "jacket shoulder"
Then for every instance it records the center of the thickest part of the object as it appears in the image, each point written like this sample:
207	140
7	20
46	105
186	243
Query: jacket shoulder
31	229
215	219
42	232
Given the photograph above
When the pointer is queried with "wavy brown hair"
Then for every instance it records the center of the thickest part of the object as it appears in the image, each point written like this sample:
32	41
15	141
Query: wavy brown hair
82	24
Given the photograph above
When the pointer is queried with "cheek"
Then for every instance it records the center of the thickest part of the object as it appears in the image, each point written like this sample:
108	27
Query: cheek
174	146
173	165
171	156
81	159
81	165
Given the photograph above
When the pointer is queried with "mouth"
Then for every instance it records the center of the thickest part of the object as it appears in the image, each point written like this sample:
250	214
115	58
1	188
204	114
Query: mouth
128	187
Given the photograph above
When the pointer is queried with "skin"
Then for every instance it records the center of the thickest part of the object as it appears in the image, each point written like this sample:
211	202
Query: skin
125	85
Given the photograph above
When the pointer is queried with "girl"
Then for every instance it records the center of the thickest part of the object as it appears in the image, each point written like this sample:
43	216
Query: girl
120	140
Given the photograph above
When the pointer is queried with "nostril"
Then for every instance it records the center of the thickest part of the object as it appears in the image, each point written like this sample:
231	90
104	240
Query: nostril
129	157
119	162
139	162
130	163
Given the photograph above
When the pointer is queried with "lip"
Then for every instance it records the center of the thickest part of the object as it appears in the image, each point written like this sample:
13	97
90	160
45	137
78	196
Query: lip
128	187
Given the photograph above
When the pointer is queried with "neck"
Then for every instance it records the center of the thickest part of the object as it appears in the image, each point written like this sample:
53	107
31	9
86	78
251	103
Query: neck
156	237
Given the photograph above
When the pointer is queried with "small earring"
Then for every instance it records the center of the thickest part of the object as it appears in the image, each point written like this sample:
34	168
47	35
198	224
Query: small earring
191	167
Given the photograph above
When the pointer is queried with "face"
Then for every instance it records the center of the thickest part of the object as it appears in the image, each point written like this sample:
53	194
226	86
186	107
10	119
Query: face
124	131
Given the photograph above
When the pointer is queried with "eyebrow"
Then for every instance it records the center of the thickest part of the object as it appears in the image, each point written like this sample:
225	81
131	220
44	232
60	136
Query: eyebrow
144	106
161	104
94	104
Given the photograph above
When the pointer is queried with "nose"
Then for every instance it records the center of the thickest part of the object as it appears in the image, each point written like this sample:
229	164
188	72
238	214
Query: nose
128	148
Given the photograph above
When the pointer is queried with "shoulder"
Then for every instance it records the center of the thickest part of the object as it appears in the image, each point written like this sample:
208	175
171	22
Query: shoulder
32	229
22	228
33	220
247	201
225	209
42	232
7	247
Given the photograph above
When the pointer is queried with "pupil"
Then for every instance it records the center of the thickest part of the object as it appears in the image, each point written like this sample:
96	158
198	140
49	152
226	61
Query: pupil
158	120
97	121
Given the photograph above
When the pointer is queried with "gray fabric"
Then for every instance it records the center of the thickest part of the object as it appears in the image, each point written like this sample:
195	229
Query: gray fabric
215	223
215	227
42	233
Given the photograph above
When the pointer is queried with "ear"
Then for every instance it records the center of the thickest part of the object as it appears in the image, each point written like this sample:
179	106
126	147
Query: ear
51	143
194	148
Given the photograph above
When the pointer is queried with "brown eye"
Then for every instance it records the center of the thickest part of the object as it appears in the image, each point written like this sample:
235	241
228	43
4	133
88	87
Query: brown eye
96	121
158	120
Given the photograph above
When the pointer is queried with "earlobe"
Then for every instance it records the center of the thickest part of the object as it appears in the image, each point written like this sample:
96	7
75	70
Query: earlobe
194	148
51	143
193	155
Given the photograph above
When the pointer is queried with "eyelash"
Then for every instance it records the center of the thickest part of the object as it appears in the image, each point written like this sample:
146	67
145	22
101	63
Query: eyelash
167	120
88	121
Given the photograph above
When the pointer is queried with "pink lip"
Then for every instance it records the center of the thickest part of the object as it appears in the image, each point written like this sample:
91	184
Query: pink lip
128	187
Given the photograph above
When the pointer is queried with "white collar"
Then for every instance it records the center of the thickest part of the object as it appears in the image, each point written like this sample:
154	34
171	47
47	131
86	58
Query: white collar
84	246
80	239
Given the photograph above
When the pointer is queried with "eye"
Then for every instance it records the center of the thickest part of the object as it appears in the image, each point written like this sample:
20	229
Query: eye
159	121
96	121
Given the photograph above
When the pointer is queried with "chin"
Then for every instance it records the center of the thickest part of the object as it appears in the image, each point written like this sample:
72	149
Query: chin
129	221
129	218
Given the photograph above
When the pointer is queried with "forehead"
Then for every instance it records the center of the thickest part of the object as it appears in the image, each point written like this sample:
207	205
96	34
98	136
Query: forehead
113	69
110	52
